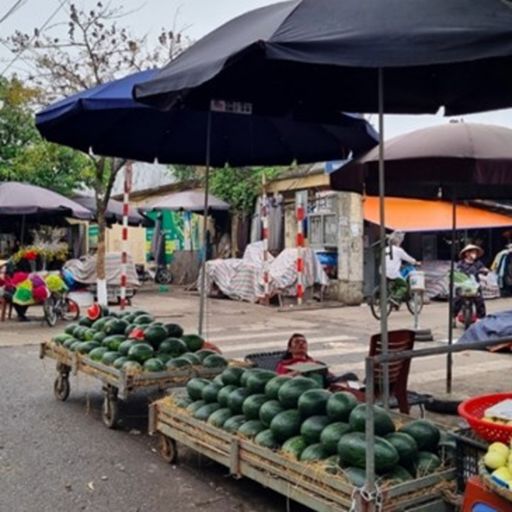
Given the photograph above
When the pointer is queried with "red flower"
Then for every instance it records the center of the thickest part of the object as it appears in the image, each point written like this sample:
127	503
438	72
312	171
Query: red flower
30	255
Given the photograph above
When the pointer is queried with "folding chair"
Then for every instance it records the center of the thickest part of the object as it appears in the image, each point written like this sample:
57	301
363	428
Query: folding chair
400	397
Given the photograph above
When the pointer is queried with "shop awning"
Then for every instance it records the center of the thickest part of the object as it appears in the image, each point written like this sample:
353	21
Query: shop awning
422	215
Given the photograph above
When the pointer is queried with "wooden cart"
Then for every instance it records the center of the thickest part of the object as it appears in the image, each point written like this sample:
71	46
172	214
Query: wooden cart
306	483
116	383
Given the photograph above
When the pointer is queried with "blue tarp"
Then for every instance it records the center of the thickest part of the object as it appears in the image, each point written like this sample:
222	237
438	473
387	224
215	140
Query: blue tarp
493	326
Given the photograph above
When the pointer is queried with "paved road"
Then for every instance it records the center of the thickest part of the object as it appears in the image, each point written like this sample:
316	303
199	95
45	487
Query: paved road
58	456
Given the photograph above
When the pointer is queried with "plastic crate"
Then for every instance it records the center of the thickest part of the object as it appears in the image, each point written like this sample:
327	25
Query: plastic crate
469	449
266	360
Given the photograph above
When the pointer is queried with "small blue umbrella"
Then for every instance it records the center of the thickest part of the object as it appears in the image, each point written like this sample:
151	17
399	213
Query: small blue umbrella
106	120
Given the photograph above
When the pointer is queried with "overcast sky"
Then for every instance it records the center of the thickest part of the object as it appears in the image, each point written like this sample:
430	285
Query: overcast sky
197	17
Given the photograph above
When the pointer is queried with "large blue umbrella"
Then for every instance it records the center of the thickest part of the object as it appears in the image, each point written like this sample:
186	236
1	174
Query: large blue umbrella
106	120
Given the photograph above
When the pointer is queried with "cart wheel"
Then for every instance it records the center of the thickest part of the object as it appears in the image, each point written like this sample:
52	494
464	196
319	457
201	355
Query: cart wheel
50	315
110	411
168	449
61	387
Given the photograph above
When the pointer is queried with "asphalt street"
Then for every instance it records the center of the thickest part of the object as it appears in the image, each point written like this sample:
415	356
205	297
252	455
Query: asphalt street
58	456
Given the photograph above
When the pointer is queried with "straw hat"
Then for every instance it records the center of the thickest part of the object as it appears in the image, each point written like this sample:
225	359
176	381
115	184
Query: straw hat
471	247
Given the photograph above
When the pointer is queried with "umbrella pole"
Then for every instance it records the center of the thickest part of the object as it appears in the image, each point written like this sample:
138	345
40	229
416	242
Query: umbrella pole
449	358
124	254
383	280
22	237
202	300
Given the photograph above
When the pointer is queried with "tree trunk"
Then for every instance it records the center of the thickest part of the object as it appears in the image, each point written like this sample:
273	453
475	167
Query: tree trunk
101	282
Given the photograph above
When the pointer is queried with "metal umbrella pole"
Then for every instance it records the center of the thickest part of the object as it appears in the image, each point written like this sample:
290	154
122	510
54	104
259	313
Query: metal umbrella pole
449	357
383	280
202	290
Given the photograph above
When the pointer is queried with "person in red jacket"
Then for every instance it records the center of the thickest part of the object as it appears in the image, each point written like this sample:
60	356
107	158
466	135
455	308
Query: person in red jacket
297	352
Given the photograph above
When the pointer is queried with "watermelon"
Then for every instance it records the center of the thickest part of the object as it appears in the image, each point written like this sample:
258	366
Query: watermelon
398	475
132	367
256	382
86	346
143	319
340	405
232	376
99	336
97	354
217	379
89	334
210	392
214	361
69	342
222	396
74	346
154	335
153	365
251	428
109	357
129	330
61	338
70	328
425	433
219	417
286	424
193	342
356	476
125	346
252	404
232	424
96	311
118	363
174	330
173	346
140	352
195	406
266	438
204	412
195	388
177	362
115	326
204	353
314	452
247	373
269	410
313	402
294	446
273	385
236	399
291	390
331	434
405	445
164	358
191	358
426	463
113	342
352	452
84	321
383	423
312	428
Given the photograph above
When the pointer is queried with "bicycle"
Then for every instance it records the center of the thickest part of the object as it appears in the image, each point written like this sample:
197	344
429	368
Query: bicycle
60	306
413	299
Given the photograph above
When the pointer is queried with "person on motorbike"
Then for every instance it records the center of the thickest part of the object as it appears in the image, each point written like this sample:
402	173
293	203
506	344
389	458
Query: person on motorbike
469	263
395	256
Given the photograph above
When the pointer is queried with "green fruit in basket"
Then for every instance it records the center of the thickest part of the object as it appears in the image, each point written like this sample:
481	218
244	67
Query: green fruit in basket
495	459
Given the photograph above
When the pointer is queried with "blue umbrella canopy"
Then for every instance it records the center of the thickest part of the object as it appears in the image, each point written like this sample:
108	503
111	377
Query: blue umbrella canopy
106	120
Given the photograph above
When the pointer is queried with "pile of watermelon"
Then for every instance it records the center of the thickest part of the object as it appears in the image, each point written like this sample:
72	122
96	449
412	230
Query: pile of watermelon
134	342
297	417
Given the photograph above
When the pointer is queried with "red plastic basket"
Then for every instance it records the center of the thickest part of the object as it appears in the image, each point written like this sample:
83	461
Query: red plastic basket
472	410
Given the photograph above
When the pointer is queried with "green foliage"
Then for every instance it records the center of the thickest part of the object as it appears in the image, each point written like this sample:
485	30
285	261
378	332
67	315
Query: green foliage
238	186
24	155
